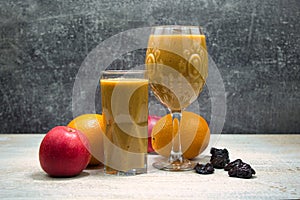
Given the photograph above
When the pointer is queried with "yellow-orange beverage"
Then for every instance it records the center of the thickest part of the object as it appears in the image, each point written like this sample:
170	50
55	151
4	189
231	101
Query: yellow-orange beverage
177	67
125	112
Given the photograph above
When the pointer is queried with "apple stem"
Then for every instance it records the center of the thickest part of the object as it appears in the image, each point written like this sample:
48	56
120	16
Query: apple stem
71	130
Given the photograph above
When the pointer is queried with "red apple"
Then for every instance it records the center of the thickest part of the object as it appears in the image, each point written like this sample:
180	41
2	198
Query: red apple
64	152
152	119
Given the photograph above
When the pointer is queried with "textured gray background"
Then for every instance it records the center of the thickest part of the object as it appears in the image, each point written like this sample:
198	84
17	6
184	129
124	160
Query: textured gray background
255	44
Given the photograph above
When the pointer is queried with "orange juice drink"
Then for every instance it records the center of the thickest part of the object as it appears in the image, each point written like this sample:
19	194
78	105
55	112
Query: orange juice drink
125	112
177	67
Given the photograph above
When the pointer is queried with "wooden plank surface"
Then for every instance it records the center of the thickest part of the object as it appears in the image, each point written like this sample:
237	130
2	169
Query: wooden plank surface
275	158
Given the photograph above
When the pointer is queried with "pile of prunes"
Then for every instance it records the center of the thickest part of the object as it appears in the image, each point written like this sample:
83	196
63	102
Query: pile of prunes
220	160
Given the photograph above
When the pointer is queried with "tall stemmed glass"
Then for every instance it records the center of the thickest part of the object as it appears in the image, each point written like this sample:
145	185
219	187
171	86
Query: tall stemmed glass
177	65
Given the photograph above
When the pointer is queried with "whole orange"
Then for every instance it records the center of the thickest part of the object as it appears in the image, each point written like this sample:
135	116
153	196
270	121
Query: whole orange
194	134
93	127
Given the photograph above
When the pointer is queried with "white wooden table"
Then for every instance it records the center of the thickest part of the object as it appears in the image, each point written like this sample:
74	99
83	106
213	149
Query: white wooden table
275	158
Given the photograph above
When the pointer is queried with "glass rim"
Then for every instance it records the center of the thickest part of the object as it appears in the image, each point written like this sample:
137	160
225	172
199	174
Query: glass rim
177	29
123	71
181	26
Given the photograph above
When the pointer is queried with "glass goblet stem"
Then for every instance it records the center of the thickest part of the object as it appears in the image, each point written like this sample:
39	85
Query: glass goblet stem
176	154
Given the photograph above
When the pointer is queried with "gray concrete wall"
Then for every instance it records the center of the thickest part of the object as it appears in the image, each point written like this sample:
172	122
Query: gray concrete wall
255	44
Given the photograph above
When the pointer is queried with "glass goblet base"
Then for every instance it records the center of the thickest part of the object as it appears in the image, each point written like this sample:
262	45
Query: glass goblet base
185	165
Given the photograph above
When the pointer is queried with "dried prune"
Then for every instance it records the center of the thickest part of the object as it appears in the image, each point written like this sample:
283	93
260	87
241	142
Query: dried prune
233	164
243	170
204	169
219	157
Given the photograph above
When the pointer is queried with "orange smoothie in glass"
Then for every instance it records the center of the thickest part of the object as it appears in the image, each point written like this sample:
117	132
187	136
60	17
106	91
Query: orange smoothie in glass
125	112
177	67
